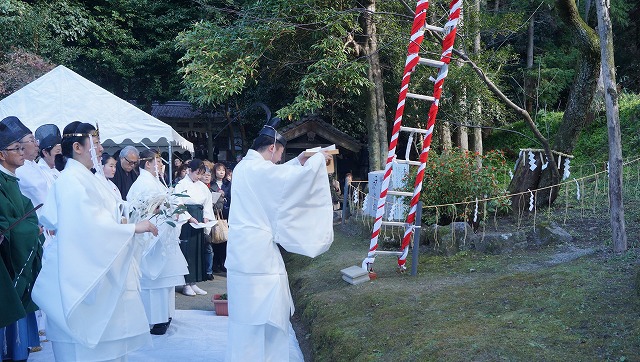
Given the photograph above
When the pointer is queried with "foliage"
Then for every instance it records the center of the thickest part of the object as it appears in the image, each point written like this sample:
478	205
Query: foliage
593	144
19	68
287	54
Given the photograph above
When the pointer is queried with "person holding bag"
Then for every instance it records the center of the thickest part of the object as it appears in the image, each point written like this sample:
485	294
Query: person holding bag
221	207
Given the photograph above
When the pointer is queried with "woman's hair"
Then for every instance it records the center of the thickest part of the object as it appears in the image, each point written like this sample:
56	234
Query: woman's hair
73	132
147	156
217	166
105	158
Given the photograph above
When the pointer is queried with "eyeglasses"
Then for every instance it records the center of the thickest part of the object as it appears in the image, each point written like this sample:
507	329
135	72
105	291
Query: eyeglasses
31	140
15	149
132	163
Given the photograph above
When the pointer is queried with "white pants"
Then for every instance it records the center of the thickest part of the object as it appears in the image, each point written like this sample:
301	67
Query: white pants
262	343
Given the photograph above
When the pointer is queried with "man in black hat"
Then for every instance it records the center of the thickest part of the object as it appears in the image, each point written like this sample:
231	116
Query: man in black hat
287	205
20	251
49	138
35	181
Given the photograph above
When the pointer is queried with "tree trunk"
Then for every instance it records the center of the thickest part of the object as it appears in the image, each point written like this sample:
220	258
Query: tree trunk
477	113
376	122
528	82
445	131
577	115
477	134
463	131
613	126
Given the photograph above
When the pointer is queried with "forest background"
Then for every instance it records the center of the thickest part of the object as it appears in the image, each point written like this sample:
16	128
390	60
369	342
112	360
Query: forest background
342	60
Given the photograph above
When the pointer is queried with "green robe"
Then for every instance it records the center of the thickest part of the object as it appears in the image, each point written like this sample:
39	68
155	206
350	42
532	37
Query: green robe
20	252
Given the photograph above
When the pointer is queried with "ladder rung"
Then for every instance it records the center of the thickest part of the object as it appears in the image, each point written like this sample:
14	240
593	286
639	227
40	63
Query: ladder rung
421	97
398	223
388	252
411	129
434	28
430	62
412	163
400	193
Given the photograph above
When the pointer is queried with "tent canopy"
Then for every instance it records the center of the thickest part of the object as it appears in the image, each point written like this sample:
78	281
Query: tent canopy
63	96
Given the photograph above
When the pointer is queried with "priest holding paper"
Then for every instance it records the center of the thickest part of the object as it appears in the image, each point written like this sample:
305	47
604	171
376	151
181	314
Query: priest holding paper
289	205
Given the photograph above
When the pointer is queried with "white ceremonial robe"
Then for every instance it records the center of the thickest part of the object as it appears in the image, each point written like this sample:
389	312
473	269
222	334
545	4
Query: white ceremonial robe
199	194
53	171
162	264
34	182
88	285
287	204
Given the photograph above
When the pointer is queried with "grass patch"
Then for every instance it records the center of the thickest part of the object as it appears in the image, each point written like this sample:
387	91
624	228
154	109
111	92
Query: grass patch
516	307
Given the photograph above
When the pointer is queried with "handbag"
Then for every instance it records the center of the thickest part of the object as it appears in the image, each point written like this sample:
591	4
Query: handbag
219	231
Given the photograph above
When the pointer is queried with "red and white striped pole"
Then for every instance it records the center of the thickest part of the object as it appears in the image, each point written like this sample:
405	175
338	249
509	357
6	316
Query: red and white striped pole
447	47
417	36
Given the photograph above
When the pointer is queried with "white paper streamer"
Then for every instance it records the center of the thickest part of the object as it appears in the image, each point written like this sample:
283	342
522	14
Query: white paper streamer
365	203
559	161
544	165
355	197
475	212
567	171
510	175
530	200
532	161
392	211
577	189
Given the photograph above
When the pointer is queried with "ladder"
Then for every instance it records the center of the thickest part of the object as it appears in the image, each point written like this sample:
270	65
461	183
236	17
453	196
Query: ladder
413	60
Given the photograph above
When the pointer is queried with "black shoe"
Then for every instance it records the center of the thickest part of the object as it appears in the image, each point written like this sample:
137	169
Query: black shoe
160	328
209	276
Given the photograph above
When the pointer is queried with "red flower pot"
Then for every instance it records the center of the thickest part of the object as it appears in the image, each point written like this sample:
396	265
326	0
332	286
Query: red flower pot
221	305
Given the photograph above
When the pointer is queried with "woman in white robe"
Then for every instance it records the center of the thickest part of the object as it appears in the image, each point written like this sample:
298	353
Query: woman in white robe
289	205
200	209
89	286
162	264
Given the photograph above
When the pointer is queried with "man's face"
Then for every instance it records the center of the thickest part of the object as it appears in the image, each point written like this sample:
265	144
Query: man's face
30	145
12	157
50	156
277	154
129	161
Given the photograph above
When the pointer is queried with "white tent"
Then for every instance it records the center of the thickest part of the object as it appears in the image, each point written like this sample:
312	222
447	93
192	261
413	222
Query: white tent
62	96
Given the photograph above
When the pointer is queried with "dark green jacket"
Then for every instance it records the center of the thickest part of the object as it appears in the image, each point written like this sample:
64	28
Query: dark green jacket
20	252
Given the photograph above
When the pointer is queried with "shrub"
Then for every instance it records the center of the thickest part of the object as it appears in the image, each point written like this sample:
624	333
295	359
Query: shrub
454	177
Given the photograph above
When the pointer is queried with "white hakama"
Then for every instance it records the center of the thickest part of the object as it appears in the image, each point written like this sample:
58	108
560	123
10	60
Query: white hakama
162	264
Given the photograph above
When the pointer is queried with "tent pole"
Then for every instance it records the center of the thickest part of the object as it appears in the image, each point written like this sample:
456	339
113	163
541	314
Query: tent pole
170	165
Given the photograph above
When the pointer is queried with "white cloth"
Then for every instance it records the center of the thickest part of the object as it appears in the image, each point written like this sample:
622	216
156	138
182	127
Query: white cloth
34	182
162	264
88	285
273	204
194	335
53	171
199	194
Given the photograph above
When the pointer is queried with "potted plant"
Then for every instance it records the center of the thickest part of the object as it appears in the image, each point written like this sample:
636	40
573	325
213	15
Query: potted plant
220	303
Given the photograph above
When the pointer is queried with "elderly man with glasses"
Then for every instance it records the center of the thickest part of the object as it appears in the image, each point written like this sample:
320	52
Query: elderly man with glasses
126	170
20	250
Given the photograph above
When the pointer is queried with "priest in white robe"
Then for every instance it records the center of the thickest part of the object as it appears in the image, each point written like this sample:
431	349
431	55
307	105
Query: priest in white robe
287	205
89	284
33	180
162	264
49	138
